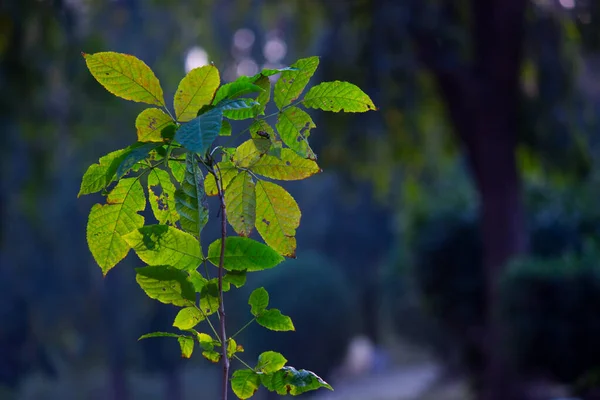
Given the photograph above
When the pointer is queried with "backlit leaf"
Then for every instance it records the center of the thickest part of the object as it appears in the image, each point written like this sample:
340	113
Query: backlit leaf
243	85
161	193
270	361
190	199
232	347
294	127
258	301
338	96
288	380
166	284
289	167
273	319
243	254
277	217
209	297
200	133
225	128
250	151
125	76
245	383
195	90
165	245
134	154
227	171
108	223
150	123
263	97
240	203
177	169
158	334
291	83
186	344
95	178
240	109
198	281
187	318
270	72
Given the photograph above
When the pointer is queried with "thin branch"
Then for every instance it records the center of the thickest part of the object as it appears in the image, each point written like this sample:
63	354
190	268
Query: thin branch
243	328
243	362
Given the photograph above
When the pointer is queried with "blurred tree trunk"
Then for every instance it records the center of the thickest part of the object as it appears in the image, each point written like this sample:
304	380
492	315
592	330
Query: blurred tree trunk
482	99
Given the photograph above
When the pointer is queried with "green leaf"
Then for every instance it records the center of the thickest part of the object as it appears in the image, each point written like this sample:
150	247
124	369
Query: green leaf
165	245
198	281
294	127
177	169
186	344
212	356
158	334
243	254
206	341
240	109
250	152
95	178
291	83
235	278
263	97
225	128
258	301
288	380
243	85
338	96
240	204
227	171
209	297
270	361
135	154
262	130
125	76
270	72
150	124
200	133
108	223
166	284
190	199
288	167
195	90
273	319
245	383
162	196
187	318
277	217
232	347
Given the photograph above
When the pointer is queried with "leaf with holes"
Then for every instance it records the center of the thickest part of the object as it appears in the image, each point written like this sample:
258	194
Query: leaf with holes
165	245
187	318
190	199
200	133
150	124
288	167
277	217
240	203
226	171
294	127
162	196
108	223
274	320
338	96
243	254
166	284
245	383
195	90
125	76
291	83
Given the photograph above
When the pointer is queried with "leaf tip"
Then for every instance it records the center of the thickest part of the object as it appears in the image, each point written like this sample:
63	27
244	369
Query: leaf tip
84	54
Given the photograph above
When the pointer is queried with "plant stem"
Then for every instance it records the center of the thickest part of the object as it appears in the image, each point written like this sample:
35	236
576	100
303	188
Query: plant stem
243	328
225	358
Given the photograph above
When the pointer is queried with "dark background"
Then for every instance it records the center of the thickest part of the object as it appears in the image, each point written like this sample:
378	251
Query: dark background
452	240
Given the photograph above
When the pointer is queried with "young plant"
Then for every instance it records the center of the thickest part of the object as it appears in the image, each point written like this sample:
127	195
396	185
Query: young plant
176	159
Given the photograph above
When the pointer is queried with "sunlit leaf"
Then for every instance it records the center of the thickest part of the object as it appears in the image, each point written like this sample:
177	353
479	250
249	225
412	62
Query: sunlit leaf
250	151
235	278
243	85
108	223
277	217
177	169
263	97
245	383
161	193
165	245
291	83
294	127
95	178
225	128
212	356
270	72
158	334
240	203
134	154
290	381
200	133
258	301
198	281
273	319
270	361
150	123
288	167
125	76
166	284
240	109
209	297
227	171
338	96
187	318
195	90
186	345
232	347
190	199
243	254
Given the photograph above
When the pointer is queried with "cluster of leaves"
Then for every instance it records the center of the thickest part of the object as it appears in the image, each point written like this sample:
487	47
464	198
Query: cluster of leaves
174	157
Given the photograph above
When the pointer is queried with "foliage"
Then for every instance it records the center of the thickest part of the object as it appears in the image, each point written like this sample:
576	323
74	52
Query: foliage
177	158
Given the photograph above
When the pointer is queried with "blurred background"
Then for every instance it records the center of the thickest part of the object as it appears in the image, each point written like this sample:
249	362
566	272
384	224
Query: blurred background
449	250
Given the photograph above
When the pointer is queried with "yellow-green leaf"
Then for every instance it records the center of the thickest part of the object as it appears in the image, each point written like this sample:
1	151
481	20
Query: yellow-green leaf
227	171
96	177
274	320
108	223
263	98
338	96
195	90
240	203
291	83
245	383
258	301
289	167
243	254
165	245
250	151
270	361
162	196
277	217
294	127
186	344
187	318
125	76
150	123
166	284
